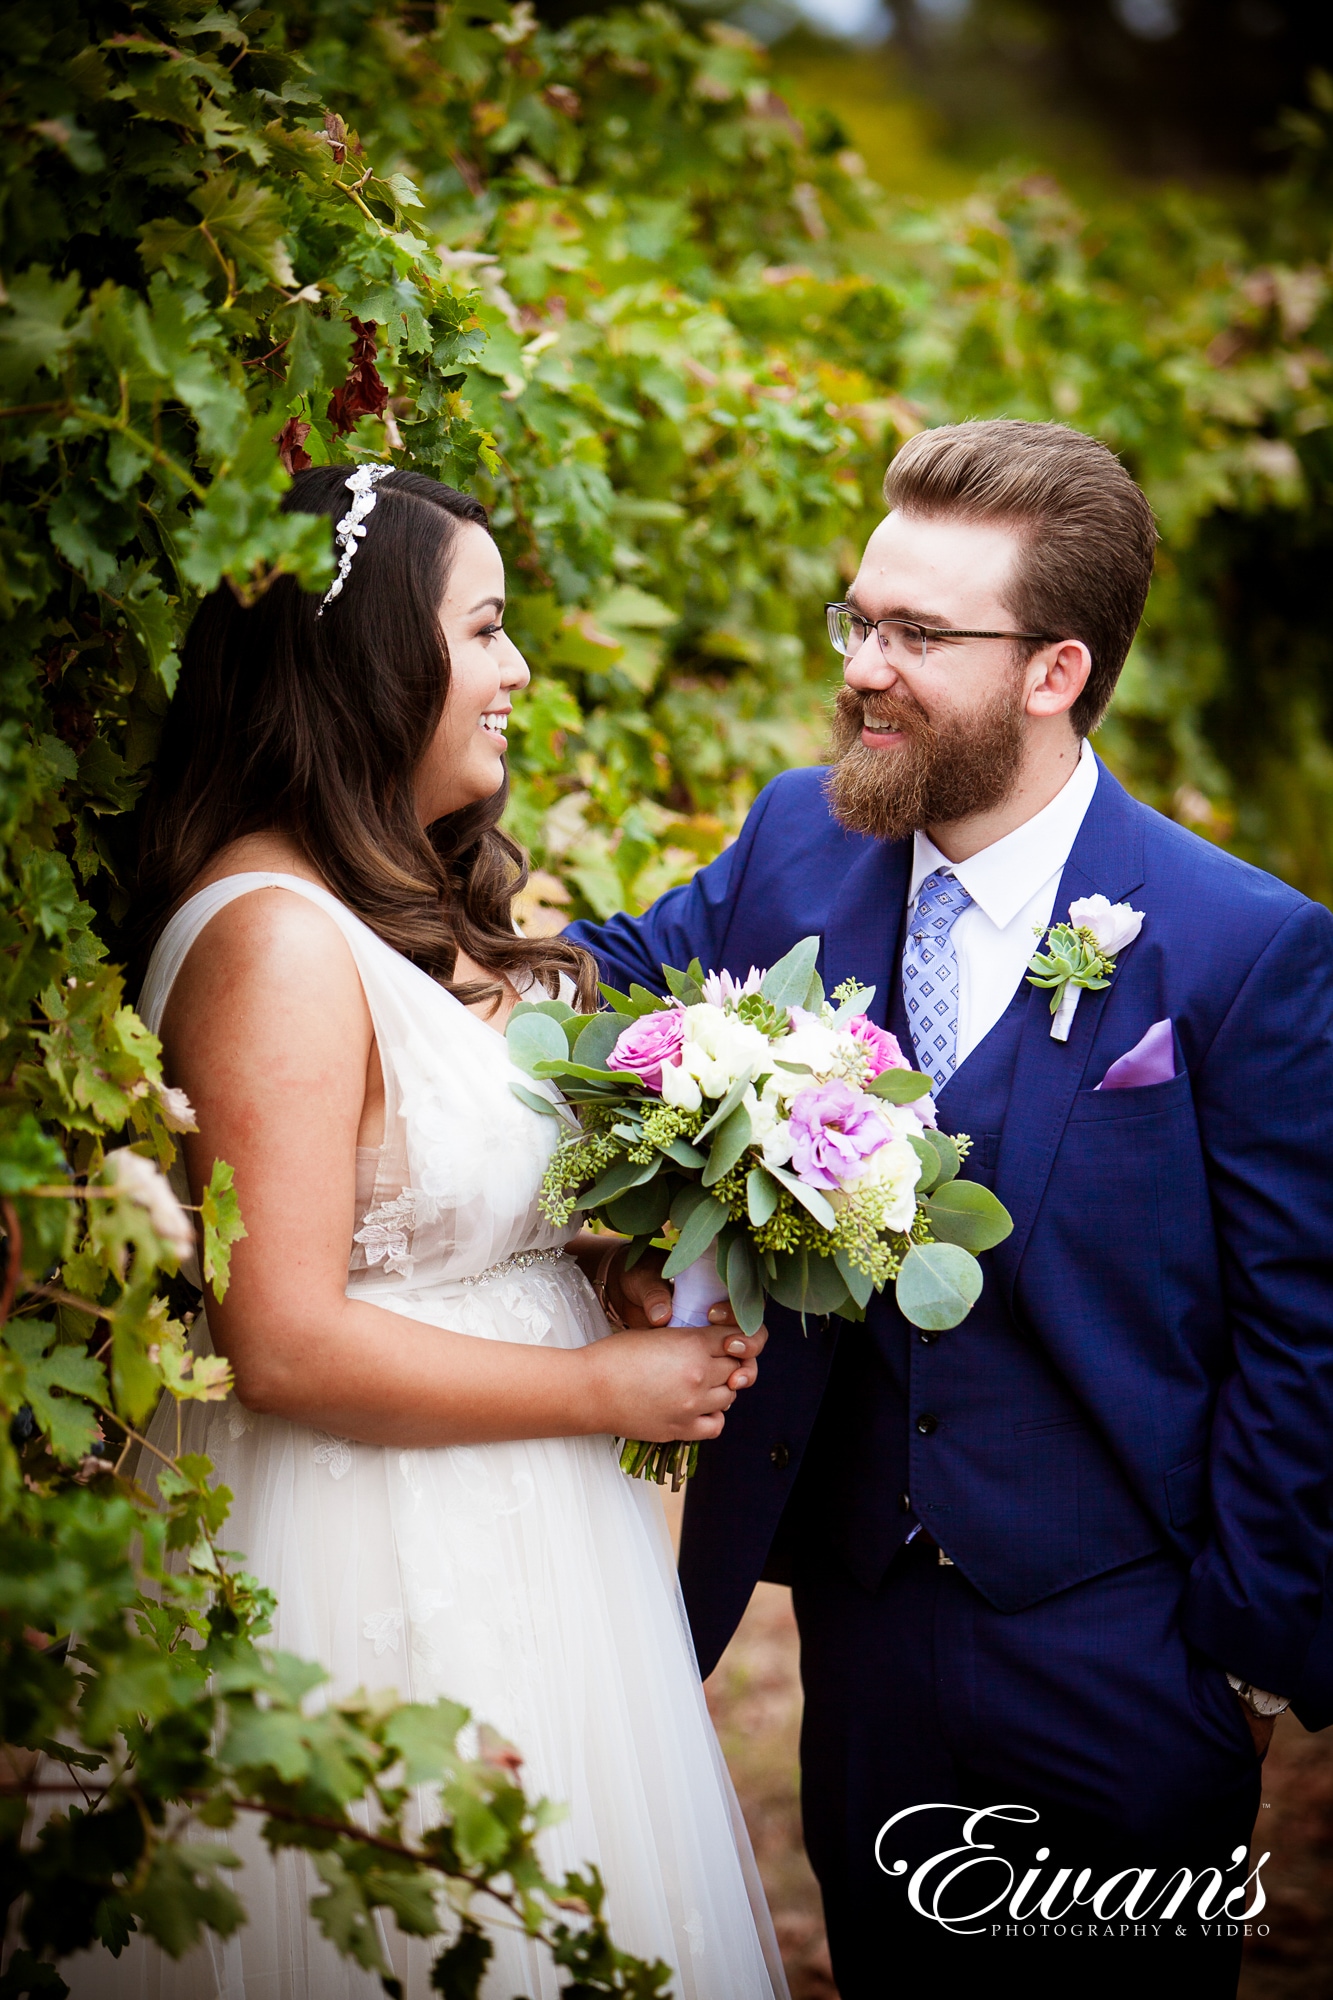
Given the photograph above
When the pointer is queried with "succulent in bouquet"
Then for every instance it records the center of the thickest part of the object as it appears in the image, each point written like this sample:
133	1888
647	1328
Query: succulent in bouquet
774	1143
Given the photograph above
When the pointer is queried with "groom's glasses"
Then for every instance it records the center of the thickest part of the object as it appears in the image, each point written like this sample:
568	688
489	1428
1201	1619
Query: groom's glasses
902	643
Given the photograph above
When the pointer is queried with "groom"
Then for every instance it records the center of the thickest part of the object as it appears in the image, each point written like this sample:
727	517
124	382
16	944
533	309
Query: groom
1056	1570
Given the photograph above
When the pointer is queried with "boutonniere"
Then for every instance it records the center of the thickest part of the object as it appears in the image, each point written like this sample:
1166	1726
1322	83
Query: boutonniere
1082	953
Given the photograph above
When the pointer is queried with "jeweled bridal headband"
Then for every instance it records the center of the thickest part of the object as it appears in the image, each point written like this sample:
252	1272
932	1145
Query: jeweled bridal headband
350	530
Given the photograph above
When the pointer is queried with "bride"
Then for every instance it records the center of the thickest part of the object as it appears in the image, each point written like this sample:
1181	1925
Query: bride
422	1440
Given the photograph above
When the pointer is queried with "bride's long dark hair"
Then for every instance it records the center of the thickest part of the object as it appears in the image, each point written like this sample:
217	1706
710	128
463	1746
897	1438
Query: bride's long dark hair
314	727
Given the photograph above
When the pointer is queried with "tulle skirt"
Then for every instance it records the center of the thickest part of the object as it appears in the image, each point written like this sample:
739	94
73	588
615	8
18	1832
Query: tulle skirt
533	1582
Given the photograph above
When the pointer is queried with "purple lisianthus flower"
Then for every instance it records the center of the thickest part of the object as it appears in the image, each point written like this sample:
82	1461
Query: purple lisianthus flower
833	1130
883	1049
648	1043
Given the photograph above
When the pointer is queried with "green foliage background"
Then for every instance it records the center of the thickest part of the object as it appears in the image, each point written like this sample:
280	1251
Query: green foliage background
671	333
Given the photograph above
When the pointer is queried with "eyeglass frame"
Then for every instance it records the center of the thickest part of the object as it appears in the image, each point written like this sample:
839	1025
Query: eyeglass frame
927	632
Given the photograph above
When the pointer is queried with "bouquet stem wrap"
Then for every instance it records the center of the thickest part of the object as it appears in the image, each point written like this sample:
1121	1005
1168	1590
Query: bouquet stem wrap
697	1290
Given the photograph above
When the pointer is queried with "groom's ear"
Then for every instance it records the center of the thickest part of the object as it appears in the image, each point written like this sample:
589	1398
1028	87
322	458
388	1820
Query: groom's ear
1056	676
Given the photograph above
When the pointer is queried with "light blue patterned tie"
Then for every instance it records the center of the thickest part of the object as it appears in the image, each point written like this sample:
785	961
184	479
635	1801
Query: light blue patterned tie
930	973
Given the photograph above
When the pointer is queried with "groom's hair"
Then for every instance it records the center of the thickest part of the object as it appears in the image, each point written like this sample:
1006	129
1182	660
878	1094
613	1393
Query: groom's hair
1087	532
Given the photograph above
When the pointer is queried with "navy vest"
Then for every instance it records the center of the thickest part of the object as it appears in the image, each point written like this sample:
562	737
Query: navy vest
969	1431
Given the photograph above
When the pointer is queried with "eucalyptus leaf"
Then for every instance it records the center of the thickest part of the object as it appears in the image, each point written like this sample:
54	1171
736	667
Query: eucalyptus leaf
535	1102
724	1109
706	1219
744	1287
899	1086
761	1195
968	1214
684	986
614	1080
856	1003
535	1038
859	1283
596	1039
684	1154
787	983
945	1149
922	1145
807	1284
620	1002
684	1202
641	1210
729	1142
624	1174
810	1198
938	1285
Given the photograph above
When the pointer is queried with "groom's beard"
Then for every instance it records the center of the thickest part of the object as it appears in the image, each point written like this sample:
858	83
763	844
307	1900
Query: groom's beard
946	771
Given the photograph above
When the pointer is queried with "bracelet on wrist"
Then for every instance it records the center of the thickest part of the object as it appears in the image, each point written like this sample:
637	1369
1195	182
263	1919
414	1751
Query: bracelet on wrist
599	1284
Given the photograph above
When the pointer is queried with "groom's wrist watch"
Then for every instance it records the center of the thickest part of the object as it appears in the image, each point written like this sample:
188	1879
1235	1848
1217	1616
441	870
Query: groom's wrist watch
1258	1700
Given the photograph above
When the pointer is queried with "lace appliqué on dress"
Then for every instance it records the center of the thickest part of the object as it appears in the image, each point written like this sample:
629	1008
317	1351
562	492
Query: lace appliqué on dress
332	1451
383	1629
385	1234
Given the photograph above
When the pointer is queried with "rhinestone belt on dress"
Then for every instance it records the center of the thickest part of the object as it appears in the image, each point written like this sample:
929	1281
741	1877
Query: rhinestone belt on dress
520	1261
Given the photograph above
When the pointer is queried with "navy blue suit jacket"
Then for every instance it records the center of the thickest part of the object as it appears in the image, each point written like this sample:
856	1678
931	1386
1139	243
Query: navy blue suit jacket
1170	1271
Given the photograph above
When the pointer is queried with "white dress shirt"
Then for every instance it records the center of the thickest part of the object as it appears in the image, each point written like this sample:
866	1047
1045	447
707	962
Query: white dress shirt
1012	884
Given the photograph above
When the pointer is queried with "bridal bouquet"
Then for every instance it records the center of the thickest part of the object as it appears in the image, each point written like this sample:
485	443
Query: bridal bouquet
772	1141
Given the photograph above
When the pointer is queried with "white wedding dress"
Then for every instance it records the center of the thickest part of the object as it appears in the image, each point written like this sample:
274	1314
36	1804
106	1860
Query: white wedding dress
532	1581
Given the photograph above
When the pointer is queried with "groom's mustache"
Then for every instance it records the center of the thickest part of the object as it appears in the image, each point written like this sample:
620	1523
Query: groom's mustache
856	711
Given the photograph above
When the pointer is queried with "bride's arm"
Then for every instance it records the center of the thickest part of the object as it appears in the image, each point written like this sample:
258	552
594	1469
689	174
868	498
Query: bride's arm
268	1032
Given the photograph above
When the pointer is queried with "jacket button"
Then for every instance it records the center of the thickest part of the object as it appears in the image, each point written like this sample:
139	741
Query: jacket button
925	1423
904	1503
780	1456
927	1338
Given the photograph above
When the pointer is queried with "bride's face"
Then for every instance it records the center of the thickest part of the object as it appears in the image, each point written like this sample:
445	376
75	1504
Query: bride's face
465	760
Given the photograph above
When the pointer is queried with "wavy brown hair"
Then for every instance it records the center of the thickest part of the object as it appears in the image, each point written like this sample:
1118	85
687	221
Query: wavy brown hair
315	726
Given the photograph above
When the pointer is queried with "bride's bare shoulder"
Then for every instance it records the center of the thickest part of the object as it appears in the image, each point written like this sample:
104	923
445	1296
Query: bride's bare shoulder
272	940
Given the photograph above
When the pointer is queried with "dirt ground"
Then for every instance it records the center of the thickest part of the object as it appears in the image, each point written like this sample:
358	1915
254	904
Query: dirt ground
755	1698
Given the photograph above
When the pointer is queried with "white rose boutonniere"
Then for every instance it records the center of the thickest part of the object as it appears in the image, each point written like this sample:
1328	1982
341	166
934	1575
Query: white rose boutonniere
1082	953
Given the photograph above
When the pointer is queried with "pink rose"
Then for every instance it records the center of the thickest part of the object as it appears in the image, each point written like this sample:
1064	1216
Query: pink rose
648	1043
882	1048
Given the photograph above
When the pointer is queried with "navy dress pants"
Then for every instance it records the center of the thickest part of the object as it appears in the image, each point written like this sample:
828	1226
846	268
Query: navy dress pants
984	1794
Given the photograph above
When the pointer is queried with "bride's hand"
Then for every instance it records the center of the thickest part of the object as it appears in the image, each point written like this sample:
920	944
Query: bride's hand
642	1297
677	1382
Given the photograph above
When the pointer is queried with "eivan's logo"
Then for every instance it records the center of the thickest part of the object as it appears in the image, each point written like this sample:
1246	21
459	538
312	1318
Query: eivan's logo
948	1887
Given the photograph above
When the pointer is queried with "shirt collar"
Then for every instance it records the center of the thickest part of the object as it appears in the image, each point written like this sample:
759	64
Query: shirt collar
1008	873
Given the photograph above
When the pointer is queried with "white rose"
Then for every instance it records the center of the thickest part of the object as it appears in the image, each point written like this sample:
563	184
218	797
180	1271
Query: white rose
1114	925
777	1144
680	1088
141	1181
894	1169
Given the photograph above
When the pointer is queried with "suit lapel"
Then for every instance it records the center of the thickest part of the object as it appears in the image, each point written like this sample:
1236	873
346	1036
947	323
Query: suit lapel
1107	858
861	934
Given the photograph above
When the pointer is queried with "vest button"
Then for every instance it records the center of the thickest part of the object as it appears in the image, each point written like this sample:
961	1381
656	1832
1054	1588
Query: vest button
925	1423
927	1338
904	1503
780	1456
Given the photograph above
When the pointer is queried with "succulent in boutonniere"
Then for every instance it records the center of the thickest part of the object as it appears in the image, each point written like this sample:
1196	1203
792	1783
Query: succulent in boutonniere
1082	955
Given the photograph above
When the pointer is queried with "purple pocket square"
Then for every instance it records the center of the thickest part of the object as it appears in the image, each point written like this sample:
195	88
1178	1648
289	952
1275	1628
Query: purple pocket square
1153	1060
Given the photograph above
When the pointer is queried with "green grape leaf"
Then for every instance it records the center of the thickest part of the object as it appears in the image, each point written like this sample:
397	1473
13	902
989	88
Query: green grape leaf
223	1227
